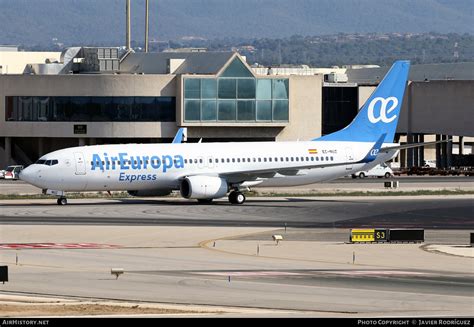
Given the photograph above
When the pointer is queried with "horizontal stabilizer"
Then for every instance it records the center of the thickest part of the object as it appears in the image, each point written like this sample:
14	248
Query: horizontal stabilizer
411	145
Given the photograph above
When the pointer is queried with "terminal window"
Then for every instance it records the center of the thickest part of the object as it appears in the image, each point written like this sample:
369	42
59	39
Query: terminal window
236	96
90	109
239	99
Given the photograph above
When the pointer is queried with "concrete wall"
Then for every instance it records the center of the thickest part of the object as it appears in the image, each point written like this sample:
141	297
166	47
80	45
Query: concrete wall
364	93
15	62
438	107
86	85
304	120
305	108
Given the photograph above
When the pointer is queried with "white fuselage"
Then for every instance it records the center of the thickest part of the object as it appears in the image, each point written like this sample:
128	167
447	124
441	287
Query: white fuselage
162	166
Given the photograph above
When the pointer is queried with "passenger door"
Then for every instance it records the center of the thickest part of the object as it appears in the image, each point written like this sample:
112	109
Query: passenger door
80	163
350	158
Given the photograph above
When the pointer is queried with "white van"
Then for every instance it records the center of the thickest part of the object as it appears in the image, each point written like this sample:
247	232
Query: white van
12	172
381	170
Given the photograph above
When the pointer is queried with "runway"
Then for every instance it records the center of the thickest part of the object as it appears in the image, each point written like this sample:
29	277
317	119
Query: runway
340	184
165	264
223	256
447	212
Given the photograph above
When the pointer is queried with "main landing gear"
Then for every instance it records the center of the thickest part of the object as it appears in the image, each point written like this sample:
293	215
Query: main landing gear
62	201
236	197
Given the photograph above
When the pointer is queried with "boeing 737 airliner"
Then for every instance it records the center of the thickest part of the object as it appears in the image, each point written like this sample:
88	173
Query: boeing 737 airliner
207	171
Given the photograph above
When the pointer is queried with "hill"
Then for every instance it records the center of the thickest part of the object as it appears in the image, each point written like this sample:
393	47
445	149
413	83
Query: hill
89	22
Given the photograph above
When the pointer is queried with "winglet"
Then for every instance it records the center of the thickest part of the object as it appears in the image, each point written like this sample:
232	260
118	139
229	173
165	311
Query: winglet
181	135
372	154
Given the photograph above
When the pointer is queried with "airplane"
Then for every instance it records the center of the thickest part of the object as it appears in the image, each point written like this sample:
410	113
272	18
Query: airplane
208	171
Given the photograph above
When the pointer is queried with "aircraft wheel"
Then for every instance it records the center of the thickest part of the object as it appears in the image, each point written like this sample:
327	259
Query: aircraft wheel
239	198
361	175
232	197
62	201
387	175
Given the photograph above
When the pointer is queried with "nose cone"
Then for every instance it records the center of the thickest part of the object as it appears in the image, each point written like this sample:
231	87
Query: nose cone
29	175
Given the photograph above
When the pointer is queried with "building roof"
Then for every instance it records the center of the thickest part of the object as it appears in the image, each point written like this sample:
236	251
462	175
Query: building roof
157	63
9	48
451	71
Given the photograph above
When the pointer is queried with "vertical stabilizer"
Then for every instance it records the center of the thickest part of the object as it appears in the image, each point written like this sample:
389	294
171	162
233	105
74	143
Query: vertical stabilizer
380	113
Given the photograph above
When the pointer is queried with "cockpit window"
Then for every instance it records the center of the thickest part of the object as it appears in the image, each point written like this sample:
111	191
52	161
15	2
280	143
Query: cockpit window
47	162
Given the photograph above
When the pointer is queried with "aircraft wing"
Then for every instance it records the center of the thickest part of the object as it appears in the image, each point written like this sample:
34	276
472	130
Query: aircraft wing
247	175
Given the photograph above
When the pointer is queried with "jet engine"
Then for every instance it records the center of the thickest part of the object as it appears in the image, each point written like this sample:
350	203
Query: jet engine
203	187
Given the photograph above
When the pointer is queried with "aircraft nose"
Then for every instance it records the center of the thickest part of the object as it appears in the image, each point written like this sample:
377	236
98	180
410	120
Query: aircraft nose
28	175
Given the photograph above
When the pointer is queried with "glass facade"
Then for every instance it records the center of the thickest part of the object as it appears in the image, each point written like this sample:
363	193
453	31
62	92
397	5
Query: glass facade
26	108
236	96
340	106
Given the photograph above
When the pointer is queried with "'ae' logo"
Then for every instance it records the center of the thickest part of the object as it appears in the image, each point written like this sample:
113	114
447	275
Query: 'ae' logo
387	105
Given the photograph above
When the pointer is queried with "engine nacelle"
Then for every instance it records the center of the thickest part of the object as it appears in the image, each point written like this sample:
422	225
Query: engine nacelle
145	193
203	187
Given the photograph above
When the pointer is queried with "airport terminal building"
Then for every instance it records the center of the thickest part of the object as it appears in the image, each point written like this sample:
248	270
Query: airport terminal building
87	96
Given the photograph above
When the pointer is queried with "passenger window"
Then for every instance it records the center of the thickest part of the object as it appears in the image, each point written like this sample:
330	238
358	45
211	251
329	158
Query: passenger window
259	159
270	159
312	158
322	158
228	160
307	158
297	159
327	158
200	160
317	158
332	158
287	159
248	159
238	159
233	159
291	158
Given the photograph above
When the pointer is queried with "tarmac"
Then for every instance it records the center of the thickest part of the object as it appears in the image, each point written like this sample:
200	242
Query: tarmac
184	259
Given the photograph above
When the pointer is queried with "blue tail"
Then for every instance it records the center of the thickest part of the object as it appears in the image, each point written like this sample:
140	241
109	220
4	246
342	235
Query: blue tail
380	113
